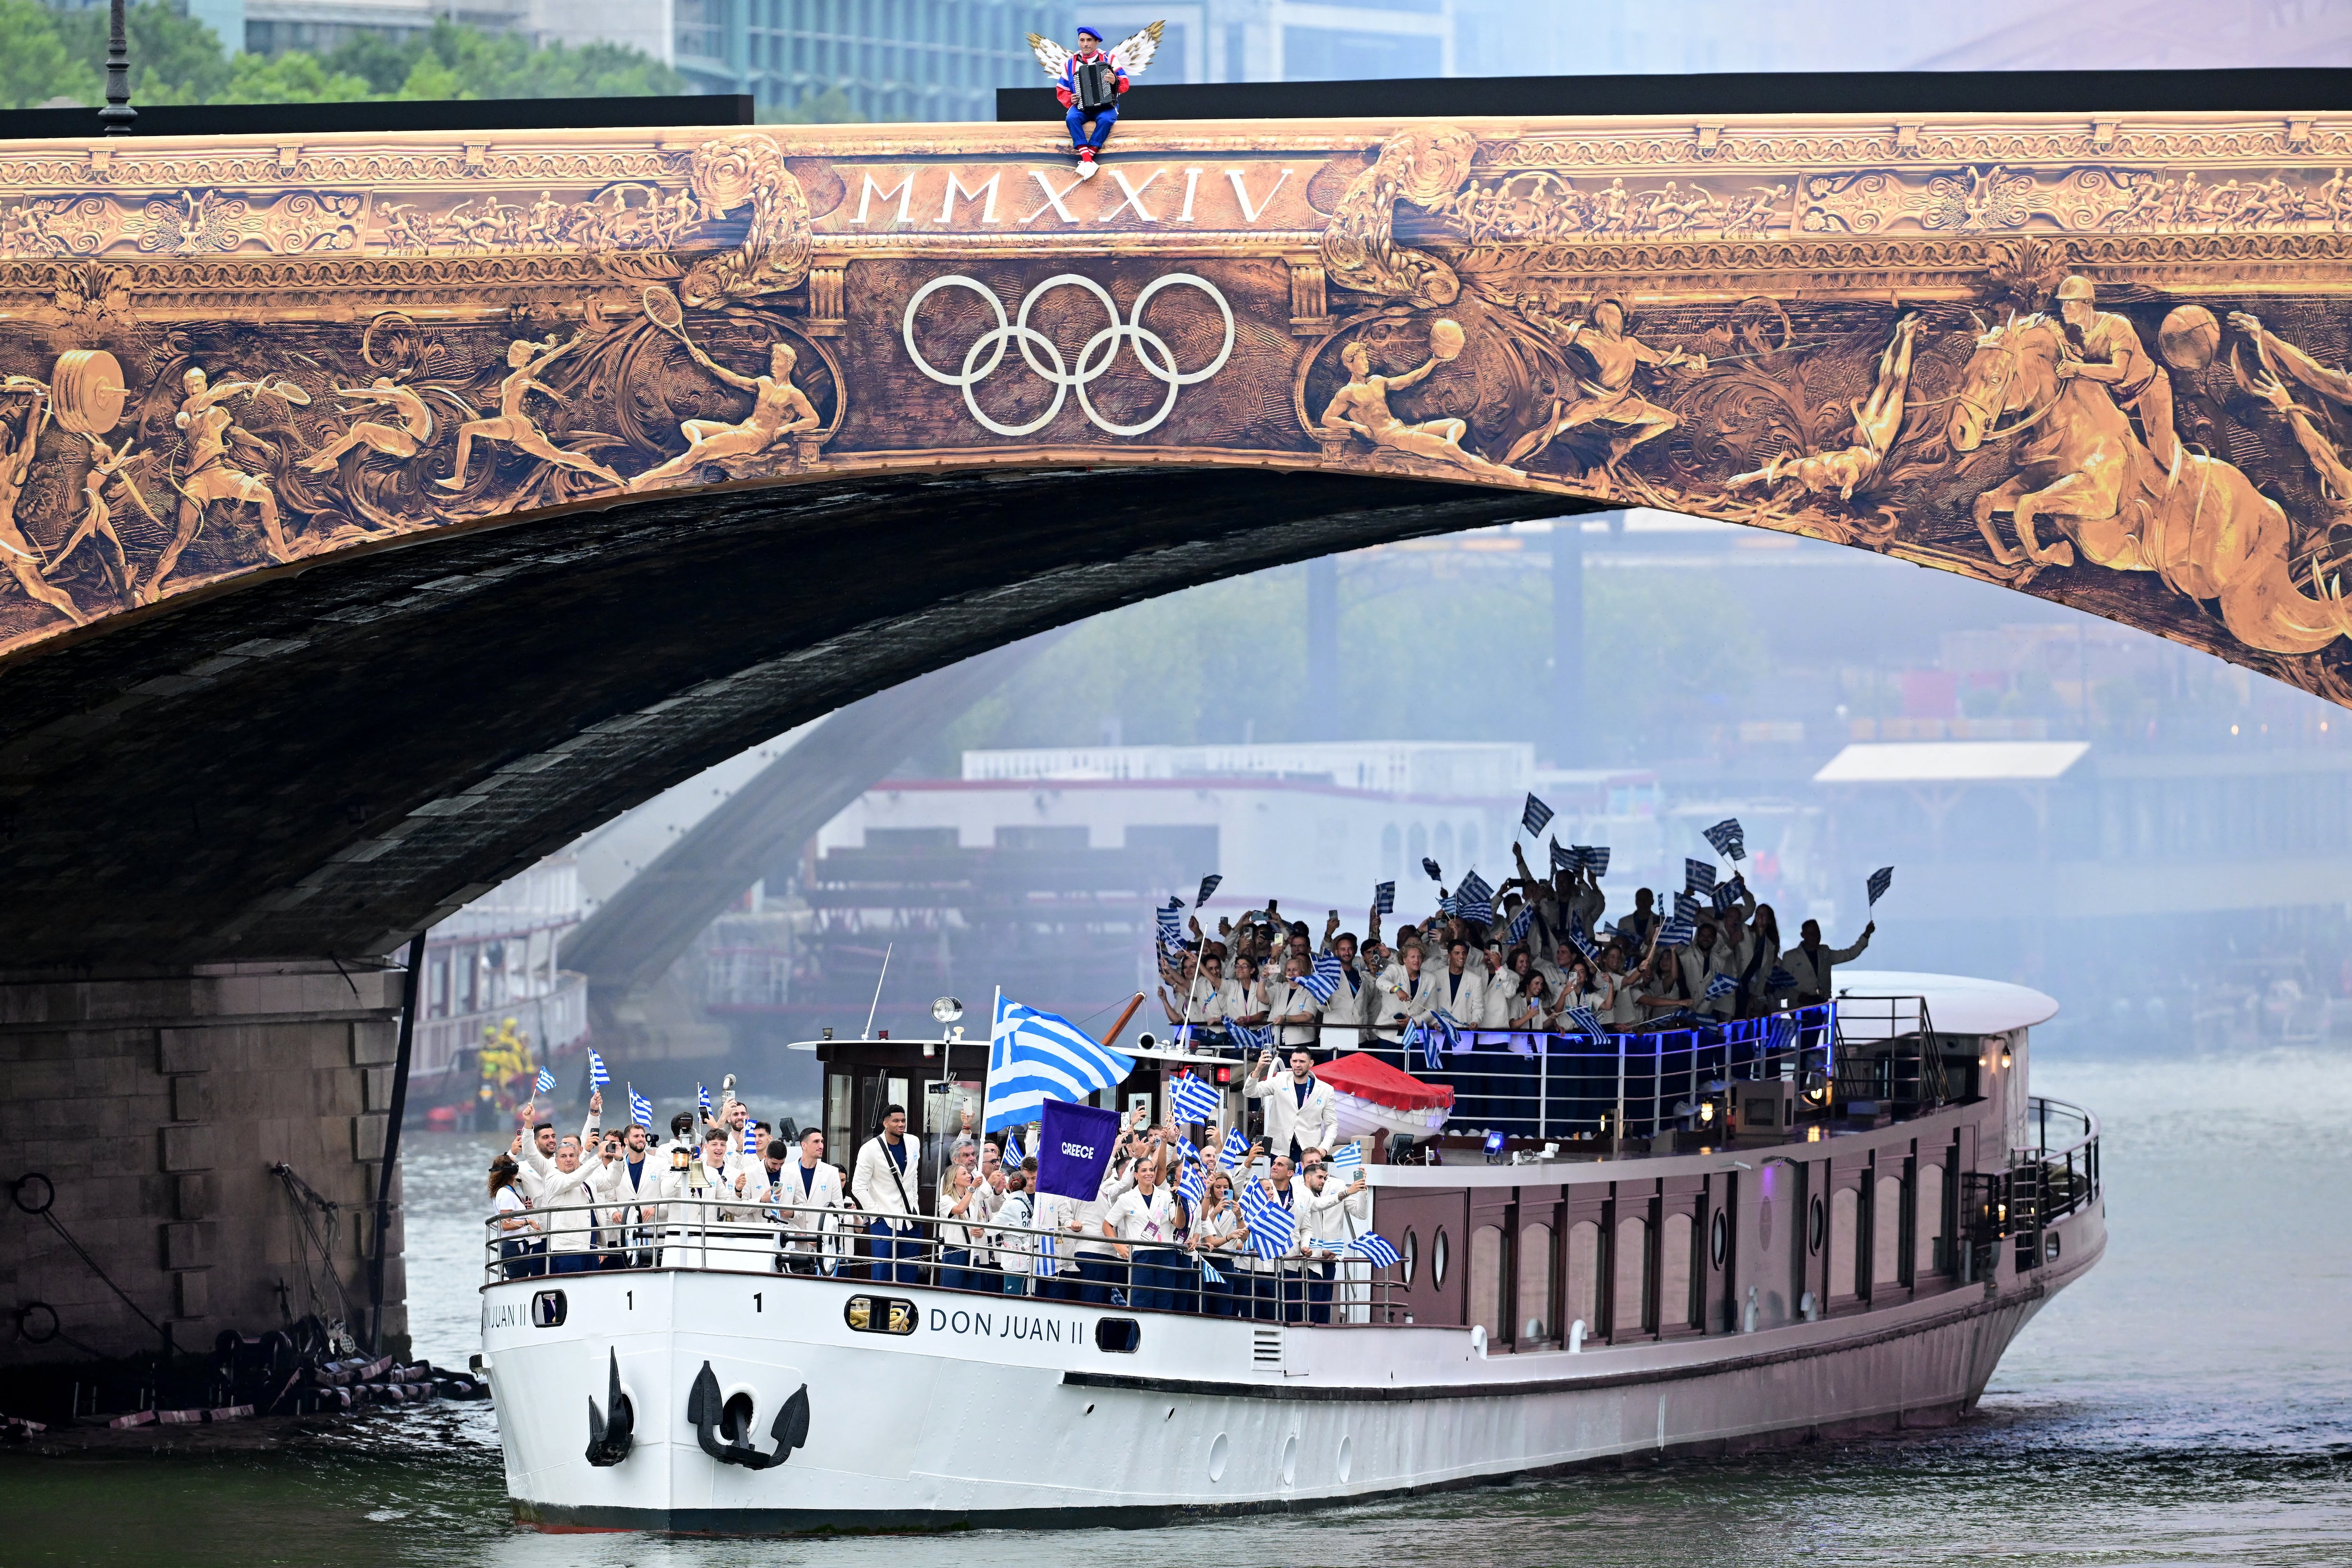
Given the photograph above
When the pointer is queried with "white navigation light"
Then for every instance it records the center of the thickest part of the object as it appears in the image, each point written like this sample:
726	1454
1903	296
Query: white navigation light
947	1009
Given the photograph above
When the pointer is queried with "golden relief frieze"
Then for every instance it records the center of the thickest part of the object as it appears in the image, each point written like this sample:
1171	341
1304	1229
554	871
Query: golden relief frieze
2019	354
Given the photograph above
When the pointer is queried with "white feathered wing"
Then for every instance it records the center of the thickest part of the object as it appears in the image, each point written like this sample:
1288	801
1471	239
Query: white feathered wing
1050	54
1133	54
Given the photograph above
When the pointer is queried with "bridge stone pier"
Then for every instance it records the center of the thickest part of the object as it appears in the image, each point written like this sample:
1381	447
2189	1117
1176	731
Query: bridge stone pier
380	511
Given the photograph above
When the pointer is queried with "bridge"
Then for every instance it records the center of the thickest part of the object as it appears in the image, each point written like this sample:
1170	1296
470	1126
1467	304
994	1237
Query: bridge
381	511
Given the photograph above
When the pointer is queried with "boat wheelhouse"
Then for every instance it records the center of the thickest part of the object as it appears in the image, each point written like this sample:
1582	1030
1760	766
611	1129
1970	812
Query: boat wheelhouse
1660	1268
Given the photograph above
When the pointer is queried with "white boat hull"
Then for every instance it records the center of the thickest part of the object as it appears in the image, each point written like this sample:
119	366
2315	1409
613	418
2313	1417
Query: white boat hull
1003	1411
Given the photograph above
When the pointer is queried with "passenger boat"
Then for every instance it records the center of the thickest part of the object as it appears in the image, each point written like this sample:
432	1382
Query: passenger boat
1693	1243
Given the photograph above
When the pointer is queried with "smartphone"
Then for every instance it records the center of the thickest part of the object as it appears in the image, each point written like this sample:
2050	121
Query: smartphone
1335	915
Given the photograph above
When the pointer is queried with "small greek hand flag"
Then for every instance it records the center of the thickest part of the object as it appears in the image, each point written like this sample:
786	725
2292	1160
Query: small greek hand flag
1236	1152
1272	1232
1779	1032
702	1099
1322	982
1593	858
1172	926
545	1084
1196	1099
1583	944
1190	1186
640	1110
1044	1261
1780	980
1435	1032
1209	1272
1375	1247
1520	921
1384	898
1726	895
1728	838
1348	1156
1584	1018
1698	875
1473	900
1431	866
1036	1057
1677	932
597	1076
1721	985
1686	906
1564	859
1534	817
1880	880
1208	886
1013	1154
1248	1039
1446	902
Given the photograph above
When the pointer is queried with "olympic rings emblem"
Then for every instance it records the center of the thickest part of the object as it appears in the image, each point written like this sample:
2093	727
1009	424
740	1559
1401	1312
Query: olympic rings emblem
1151	350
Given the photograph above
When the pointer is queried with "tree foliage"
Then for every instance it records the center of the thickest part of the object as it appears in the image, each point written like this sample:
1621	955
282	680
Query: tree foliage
53	54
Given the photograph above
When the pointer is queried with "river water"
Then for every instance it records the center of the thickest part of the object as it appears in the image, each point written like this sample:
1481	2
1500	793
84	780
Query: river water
2190	1402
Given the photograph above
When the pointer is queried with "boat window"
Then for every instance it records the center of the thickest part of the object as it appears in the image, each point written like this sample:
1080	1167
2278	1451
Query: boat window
1676	1297
1487	1281
1583	1305
1845	1210
1718	1238
1629	1306
1934	1256
1534	1317
1121	1336
1816	1223
1437	1258
1409	1256
1886	1231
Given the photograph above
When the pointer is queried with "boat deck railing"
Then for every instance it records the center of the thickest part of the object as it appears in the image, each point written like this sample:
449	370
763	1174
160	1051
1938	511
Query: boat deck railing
1856	1056
699	1232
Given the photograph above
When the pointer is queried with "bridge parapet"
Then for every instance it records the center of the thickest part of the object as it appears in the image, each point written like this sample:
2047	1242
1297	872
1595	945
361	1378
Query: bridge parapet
227	356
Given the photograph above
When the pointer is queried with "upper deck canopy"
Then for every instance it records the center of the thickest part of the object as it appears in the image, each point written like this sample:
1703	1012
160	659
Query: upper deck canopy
1959	1004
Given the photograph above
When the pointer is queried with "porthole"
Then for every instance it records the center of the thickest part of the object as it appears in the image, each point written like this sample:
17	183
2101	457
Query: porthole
2050	1247
1718	1238
1290	1461
1118	1336
1817	1220
1437	1258
1219	1451
1347	1456
1409	1255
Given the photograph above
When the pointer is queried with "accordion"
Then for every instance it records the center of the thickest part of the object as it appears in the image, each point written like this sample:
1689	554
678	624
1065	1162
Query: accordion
1096	83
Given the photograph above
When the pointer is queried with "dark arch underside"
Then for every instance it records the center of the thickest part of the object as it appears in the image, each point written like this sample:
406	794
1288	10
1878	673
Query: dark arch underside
319	761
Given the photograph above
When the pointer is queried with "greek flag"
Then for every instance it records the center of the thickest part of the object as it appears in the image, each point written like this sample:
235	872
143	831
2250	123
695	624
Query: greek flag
1172	926
1044	1263
1208	886
1593	859
1384	898
1584	1018
1248	1039
1728	838
640	1110
1583	944
1698	875
1534	817
1686	906
1431	866
545	1084
1780	1033
1445	903
1013	1154
597	1076
702	1099
1721	985
1235	1150
1208	1273
1195	1100
1780	980
1272	1230
1439	1026
1347	1157
1726	894
1678	932
1880	880
1564	859
1372	1245
1475	900
1520	921
1322	982
1036	1057
1191	1186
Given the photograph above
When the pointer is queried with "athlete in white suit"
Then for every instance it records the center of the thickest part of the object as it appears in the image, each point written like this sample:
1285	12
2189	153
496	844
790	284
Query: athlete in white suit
1300	1111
